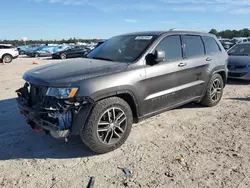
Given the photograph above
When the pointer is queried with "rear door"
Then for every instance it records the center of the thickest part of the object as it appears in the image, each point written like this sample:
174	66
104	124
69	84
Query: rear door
197	64
81	51
1	51
71	52
214	52
76	52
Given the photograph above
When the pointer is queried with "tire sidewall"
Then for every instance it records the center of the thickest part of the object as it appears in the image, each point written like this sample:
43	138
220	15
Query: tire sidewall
215	77
95	118
10	58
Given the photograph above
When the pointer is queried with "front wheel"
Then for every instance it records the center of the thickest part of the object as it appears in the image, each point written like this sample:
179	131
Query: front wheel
108	126
214	91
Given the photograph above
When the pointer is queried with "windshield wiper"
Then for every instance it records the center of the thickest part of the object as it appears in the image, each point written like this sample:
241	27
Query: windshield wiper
102	58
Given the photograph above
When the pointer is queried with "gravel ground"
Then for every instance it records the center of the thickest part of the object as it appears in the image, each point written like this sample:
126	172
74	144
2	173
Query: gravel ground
214	143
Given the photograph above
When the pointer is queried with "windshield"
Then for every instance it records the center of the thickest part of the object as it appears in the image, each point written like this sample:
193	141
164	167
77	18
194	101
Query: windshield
240	49
126	48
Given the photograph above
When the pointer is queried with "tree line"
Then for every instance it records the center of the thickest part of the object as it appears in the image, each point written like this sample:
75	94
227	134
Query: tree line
231	33
29	42
224	34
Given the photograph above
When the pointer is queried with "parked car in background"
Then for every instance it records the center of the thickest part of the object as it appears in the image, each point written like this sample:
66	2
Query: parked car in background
61	48
42	51
22	49
8	53
239	39
73	52
228	45
239	61
127	79
28	48
248	39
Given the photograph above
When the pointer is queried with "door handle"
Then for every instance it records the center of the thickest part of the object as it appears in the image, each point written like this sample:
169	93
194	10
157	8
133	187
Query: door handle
209	59
182	64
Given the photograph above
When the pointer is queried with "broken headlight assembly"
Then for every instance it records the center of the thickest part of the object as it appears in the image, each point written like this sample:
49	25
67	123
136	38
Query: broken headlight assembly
61	93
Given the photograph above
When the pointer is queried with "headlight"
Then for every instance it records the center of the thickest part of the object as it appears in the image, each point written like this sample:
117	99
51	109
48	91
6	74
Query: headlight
62	93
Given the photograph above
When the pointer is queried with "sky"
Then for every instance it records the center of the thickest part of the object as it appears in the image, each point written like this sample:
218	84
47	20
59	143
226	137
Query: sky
62	19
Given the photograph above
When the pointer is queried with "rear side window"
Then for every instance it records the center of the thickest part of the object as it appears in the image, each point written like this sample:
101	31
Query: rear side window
193	45
5	47
211	45
171	45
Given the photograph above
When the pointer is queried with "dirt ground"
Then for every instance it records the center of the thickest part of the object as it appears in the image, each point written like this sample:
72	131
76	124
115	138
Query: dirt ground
214	142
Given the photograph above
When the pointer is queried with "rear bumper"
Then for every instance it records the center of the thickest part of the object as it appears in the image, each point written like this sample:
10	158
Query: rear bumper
242	75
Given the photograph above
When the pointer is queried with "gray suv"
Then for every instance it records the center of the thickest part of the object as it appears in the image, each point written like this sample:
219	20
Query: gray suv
123	81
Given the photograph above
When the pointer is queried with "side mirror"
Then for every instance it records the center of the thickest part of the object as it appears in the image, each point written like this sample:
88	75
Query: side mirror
157	57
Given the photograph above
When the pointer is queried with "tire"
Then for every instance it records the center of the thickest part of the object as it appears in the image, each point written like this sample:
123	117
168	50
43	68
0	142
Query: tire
210	99
63	56
7	58
94	139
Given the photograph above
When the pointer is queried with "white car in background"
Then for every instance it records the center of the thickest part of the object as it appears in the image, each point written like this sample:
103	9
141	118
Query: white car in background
239	40
8	53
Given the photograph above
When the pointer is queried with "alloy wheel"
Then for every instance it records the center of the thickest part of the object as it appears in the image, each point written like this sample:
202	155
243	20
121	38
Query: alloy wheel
111	125
7	59
63	56
216	90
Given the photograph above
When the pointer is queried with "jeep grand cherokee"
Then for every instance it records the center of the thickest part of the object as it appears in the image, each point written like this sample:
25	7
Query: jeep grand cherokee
123	81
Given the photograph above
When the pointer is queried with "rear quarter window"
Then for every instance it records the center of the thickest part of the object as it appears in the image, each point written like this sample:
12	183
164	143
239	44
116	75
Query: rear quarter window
193	46
211	45
5	47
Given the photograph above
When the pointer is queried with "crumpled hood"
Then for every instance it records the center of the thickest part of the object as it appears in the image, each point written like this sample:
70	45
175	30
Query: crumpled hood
69	72
239	60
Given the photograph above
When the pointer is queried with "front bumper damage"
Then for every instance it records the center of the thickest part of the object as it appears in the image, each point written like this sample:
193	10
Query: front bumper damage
57	117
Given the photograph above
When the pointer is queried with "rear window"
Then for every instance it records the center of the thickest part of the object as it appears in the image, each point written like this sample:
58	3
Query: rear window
211	45
193	45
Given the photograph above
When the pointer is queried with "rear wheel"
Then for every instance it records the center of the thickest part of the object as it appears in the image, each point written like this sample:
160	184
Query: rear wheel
63	56
108	126
214	91
7	58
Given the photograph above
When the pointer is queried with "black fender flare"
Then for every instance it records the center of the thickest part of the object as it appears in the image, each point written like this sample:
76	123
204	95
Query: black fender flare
81	117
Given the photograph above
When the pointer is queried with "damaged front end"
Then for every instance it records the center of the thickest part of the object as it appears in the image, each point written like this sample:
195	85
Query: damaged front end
56	116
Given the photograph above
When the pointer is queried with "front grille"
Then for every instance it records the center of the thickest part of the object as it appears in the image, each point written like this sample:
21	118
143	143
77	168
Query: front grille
236	66
37	94
236	75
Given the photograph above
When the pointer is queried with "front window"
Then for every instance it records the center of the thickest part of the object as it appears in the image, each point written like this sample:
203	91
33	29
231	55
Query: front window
126	48
240	49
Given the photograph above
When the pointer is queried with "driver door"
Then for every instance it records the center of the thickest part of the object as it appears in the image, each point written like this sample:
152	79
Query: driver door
172	82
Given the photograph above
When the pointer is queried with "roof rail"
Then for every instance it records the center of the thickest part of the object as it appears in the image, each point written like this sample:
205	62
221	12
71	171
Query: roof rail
175	29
